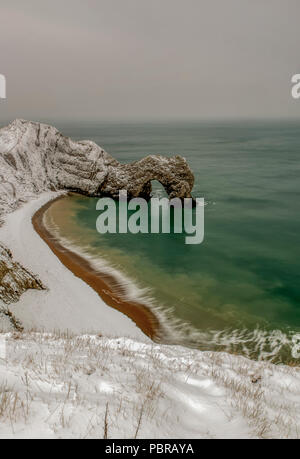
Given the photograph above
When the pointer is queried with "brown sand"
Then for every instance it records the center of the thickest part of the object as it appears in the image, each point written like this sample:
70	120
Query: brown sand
107	287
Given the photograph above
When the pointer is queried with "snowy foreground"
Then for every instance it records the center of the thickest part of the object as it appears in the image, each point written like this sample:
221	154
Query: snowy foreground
55	386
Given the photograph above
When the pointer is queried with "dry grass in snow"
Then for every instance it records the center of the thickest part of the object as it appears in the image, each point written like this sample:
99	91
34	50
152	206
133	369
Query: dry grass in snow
60	386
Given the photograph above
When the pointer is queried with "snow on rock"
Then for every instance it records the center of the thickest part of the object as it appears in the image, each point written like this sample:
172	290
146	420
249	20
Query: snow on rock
57	386
35	157
62	386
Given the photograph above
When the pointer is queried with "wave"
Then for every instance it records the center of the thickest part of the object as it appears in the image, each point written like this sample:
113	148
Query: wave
276	345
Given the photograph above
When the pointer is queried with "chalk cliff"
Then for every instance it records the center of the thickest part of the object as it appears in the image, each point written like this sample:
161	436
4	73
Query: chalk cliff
35	157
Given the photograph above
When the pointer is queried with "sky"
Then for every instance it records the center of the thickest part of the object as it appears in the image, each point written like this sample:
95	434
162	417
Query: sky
149	59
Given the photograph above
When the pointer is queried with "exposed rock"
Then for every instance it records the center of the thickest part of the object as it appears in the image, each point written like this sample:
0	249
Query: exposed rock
8	322
35	157
14	279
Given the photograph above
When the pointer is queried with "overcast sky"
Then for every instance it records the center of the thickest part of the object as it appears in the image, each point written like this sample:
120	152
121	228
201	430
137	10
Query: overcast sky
149	59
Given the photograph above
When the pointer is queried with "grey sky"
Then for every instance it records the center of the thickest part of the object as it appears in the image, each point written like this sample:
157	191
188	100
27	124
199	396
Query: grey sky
139	59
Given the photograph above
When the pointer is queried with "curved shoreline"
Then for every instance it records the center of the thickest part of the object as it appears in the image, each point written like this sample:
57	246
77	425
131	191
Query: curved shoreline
107	287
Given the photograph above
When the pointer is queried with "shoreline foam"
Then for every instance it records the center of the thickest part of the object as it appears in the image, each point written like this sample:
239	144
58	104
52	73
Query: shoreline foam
68	304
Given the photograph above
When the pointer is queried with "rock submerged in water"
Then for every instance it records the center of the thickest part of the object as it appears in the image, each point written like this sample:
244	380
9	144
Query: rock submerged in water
35	157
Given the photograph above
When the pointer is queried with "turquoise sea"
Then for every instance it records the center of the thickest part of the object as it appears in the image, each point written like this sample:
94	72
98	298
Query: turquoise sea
240	289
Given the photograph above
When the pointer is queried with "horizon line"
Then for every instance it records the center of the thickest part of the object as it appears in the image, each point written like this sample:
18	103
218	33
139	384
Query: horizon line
150	120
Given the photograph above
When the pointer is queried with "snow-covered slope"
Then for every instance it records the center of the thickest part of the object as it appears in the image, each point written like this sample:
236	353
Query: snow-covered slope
58	386
14	279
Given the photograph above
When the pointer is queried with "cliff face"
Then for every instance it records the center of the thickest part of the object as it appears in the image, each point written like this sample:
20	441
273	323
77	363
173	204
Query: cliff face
35	158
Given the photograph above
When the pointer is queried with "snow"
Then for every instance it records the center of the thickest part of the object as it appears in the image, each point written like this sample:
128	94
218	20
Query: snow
61	387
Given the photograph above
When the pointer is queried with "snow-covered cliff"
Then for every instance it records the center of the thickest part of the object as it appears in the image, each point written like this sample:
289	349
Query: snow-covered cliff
35	157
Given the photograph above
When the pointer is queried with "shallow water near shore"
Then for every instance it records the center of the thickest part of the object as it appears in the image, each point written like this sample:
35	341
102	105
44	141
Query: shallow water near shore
240	289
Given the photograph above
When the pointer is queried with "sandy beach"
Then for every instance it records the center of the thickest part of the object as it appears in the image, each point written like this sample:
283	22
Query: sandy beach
68	303
107	287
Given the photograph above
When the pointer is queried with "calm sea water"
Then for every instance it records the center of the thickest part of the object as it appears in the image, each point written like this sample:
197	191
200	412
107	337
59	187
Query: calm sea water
240	289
